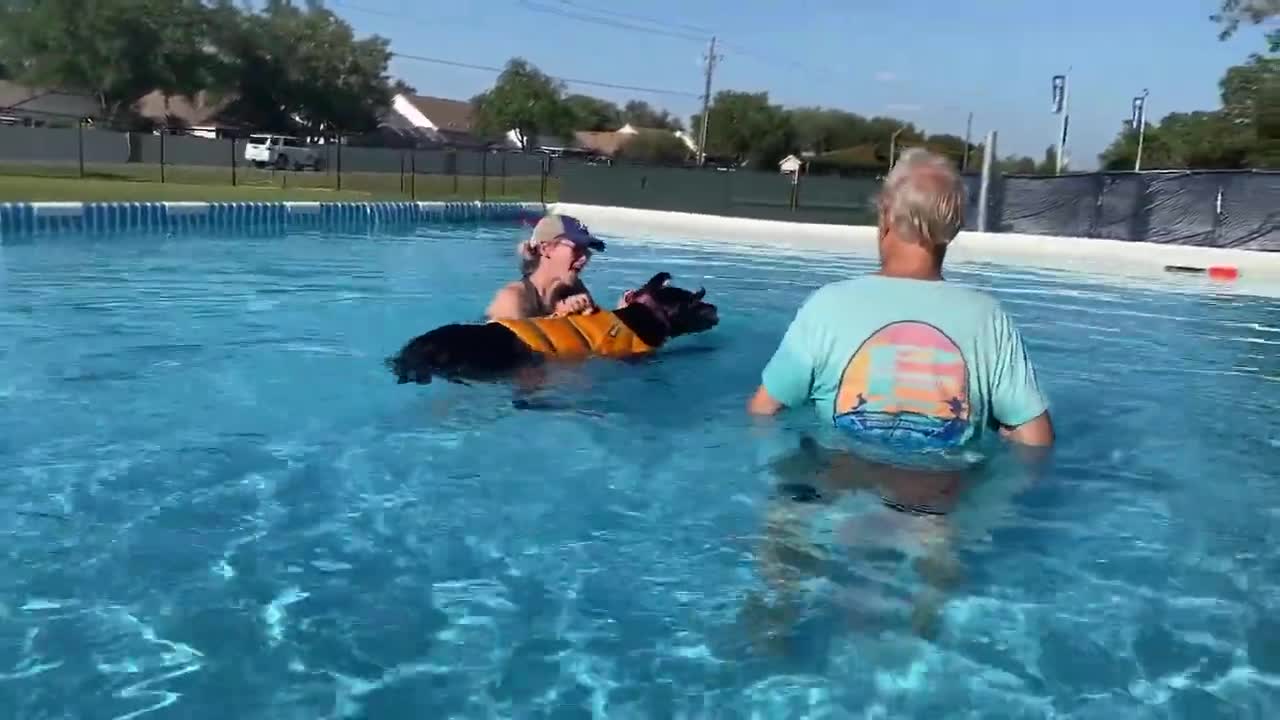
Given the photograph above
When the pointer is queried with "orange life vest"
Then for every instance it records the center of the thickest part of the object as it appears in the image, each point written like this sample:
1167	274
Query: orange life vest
576	337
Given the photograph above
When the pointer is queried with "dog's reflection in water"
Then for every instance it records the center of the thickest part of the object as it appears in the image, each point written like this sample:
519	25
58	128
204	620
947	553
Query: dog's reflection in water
831	508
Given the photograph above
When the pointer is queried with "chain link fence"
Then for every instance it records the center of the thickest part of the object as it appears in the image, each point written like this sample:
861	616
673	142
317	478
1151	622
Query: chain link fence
326	164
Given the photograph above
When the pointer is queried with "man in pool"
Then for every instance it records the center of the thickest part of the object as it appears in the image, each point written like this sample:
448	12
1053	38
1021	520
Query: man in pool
910	369
901	355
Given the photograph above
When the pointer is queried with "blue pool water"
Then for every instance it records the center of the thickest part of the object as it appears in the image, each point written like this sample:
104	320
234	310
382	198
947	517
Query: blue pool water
218	504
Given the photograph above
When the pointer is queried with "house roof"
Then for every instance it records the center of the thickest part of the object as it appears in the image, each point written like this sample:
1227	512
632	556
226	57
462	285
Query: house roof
203	109
603	142
445	114
15	97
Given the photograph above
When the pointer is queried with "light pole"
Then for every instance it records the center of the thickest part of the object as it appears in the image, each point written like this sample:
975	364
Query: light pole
1066	113
1142	129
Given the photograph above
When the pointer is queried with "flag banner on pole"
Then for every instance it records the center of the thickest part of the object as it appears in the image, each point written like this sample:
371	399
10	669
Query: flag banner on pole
1059	86
1138	116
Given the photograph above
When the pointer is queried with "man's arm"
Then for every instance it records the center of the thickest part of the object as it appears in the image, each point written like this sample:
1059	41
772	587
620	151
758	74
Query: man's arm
787	379
1017	401
1037	432
762	403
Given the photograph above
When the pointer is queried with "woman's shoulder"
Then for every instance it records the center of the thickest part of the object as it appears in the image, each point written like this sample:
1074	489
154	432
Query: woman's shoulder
509	301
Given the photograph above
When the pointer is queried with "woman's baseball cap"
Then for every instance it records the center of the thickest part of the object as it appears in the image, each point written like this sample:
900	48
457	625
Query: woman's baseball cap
563	227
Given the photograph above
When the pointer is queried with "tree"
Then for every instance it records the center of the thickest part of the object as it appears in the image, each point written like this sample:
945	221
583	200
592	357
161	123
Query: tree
115	50
747	127
641	114
1255	12
820	130
1243	133
302	67
1017	165
523	99
594	114
288	66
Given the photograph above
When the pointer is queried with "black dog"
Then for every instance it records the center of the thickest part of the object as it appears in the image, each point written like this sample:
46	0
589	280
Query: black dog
654	313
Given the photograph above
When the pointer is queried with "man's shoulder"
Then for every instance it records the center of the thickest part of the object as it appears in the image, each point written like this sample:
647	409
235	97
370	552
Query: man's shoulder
881	286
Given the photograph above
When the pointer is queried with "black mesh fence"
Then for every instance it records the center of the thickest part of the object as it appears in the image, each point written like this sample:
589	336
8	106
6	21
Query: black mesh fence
37	163
1239	209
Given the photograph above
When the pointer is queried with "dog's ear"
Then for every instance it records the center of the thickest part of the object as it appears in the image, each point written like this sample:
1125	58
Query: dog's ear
702	292
658	281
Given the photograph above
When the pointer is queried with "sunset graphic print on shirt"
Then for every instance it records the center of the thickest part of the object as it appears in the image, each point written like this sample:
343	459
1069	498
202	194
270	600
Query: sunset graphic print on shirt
906	385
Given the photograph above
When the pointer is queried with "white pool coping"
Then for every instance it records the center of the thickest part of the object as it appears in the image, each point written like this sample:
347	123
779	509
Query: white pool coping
1115	260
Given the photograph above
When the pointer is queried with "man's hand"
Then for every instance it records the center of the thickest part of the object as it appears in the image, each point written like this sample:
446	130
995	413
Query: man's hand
762	403
579	303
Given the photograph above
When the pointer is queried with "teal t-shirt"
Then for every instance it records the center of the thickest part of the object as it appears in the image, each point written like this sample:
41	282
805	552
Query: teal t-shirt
909	364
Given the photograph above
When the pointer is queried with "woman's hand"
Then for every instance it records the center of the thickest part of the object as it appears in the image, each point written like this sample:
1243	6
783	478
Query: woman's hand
579	303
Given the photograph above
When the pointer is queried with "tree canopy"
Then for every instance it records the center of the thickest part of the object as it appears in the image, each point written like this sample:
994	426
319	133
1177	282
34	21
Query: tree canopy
288	66
1233	13
1243	133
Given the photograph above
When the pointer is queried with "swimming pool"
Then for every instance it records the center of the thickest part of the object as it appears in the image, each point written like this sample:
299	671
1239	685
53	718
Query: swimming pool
221	505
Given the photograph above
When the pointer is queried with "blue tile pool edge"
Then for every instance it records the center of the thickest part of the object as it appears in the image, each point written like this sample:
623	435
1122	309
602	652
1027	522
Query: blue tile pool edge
24	220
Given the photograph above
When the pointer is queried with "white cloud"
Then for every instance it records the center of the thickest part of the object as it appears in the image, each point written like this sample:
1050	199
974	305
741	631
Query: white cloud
886	76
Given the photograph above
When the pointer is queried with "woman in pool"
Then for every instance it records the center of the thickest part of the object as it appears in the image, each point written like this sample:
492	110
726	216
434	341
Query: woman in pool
550	262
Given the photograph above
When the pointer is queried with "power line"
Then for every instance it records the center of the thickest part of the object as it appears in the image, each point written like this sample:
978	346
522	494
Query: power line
643	18
605	21
574	81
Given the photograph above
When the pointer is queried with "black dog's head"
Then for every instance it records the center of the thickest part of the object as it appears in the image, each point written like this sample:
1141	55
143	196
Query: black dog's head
682	311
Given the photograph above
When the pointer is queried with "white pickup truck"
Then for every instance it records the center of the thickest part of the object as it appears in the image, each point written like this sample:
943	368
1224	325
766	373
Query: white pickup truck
282	152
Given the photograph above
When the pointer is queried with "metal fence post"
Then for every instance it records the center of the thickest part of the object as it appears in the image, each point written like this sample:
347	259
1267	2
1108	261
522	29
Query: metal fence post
988	176
338	139
453	157
413	175
163	132
233	161
502	187
401	173
80	145
543	168
484	176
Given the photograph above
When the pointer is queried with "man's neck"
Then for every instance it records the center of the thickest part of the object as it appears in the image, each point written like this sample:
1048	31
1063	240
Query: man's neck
910	261
911	271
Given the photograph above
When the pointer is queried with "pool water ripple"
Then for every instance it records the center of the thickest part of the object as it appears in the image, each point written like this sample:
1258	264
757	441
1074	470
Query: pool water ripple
221	505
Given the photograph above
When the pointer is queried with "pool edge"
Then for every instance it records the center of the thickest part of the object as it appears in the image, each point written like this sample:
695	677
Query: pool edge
1089	255
21	220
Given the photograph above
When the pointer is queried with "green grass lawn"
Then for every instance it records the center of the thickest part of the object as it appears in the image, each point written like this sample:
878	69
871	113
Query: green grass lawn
140	183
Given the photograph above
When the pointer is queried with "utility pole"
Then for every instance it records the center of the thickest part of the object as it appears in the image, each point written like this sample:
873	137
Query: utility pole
968	129
712	58
1142	127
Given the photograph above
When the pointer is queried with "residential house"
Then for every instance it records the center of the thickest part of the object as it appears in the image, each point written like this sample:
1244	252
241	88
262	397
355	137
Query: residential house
609	143
684	137
423	120
204	115
36	107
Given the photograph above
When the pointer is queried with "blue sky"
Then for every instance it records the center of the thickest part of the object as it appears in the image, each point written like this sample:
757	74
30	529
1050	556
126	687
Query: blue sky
928	61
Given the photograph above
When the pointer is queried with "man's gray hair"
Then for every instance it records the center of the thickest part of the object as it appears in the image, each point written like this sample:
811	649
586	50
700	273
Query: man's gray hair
924	198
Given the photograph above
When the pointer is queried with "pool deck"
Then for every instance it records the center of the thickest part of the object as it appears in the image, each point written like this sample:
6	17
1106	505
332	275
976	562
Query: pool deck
1258	272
